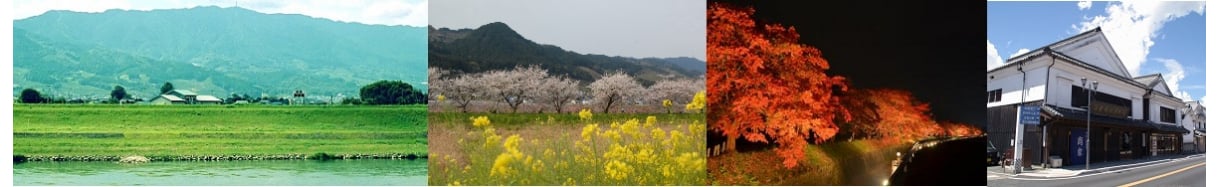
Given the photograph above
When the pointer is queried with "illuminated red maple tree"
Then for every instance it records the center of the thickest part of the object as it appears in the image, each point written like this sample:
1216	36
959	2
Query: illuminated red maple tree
896	115
764	84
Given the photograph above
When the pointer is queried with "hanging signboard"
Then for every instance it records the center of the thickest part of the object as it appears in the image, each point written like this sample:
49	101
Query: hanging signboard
1031	114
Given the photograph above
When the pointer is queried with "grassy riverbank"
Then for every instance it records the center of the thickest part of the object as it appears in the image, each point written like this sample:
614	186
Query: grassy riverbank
83	131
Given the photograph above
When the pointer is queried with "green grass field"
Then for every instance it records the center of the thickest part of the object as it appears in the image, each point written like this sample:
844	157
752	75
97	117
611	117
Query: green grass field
113	130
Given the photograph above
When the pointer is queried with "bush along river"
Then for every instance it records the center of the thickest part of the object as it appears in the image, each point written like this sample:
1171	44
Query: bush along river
316	170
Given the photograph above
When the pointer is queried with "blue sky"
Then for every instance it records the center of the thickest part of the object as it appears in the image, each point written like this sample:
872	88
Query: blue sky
1150	37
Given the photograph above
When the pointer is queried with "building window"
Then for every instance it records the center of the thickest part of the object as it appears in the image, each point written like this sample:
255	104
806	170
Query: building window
1167	115
993	96
1103	104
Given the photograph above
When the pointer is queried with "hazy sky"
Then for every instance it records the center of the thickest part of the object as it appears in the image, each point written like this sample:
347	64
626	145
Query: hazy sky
381	12
631	28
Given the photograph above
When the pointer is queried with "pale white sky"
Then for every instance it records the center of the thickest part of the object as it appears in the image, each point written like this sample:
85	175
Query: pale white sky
381	12
632	28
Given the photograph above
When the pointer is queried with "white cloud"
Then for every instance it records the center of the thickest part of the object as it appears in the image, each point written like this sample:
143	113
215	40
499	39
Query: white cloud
1173	76
1131	26
1084	5
382	12
993	57
1019	52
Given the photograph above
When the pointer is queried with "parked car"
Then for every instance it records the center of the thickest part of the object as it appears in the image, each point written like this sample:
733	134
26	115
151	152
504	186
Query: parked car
994	157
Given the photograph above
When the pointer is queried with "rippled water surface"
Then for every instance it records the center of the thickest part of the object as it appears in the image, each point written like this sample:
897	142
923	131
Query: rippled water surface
282	172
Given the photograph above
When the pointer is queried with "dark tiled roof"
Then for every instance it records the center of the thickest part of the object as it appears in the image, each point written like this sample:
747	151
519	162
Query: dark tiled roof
1148	80
1172	128
1072	114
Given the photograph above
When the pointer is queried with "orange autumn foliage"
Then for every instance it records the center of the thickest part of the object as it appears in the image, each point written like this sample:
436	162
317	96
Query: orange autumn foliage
960	129
764	84
892	114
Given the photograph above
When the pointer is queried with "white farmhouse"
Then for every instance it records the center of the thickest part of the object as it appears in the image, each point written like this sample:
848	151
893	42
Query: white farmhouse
184	97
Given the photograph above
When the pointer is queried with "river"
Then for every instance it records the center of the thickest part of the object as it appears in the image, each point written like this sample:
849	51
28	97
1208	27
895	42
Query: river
278	172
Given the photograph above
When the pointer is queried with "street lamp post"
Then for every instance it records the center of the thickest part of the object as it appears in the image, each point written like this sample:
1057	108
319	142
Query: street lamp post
1084	82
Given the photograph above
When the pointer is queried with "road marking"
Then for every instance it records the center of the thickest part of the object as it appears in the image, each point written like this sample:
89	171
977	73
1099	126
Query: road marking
1162	175
1105	172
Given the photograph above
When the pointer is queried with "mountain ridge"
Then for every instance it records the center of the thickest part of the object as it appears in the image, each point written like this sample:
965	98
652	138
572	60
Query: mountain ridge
495	46
240	50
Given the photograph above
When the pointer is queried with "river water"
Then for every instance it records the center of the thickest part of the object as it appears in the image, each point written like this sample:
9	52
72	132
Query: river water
279	172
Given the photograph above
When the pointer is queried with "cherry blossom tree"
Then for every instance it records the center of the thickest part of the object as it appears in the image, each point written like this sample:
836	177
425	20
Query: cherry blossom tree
678	91
614	89
513	87
557	91
435	81
462	89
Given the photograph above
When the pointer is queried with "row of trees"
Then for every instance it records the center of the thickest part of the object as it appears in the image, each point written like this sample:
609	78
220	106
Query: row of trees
532	84
378	93
895	115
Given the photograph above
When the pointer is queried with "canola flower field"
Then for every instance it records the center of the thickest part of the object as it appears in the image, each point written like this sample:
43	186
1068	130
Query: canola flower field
650	151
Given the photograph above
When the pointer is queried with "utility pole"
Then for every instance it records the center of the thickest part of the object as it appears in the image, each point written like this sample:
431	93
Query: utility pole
1084	82
1020	135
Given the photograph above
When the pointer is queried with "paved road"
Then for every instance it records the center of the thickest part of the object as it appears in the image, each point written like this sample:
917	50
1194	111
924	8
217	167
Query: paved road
1185	172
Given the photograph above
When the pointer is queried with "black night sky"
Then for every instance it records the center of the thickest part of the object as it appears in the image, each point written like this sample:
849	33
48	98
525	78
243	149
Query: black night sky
933	49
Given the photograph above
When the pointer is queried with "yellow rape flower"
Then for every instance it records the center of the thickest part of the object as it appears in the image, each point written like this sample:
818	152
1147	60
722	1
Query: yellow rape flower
586	115
696	128
548	153
613	135
511	144
631	127
617	170
481	121
691	161
667	171
658	134
492	139
589	131
441	98
570	182
644	156
502	167
649	122
538	167
697	102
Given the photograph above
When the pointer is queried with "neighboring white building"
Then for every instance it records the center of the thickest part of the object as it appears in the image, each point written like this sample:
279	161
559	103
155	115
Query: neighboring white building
1194	118
184	97
1131	116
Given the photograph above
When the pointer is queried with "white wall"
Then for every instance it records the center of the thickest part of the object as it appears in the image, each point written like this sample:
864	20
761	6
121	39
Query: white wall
1009	82
1058	91
1094	49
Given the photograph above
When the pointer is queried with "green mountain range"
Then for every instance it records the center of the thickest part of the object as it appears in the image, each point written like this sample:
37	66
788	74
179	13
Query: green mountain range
495	46
211	50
